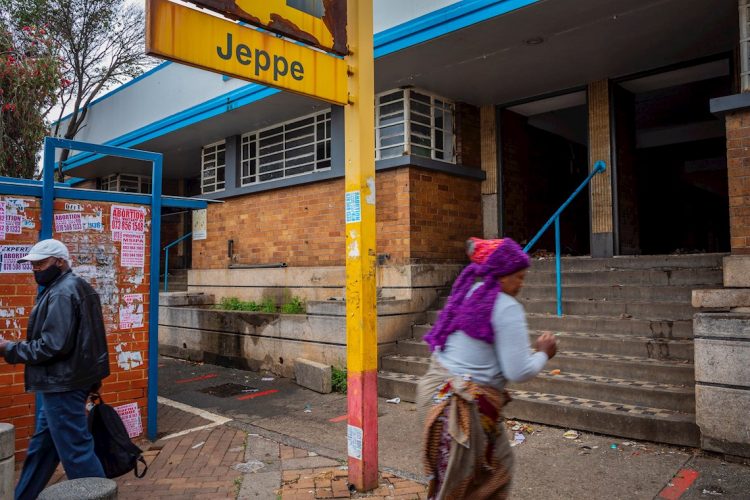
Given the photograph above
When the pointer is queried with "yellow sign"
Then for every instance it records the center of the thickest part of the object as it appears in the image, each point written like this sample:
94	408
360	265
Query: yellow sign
208	42
321	23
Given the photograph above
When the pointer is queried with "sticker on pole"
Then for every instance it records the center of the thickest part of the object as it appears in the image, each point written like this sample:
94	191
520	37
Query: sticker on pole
354	440
131	418
353	207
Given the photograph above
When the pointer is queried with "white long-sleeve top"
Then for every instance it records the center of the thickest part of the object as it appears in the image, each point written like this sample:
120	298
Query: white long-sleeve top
510	358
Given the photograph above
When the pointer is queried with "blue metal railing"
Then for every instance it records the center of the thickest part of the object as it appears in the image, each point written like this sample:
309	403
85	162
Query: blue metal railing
599	167
166	258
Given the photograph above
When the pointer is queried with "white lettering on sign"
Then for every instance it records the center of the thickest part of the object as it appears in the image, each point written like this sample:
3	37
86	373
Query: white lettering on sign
353	207
133	249
68	223
9	255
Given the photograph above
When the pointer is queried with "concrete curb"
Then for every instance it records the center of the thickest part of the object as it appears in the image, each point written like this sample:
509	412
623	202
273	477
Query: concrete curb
7	459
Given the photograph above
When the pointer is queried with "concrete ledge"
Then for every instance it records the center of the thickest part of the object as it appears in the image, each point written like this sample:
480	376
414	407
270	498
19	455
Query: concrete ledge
181	299
90	488
737	271
7	461
721	298
315	376
721	414
722	362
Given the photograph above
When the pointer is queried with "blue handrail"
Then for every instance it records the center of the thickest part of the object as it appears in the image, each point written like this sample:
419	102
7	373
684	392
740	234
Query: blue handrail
166	258
599	167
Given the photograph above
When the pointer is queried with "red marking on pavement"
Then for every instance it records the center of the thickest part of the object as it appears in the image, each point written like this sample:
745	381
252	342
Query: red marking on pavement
196	379
339	419
257	395
679	484
162	366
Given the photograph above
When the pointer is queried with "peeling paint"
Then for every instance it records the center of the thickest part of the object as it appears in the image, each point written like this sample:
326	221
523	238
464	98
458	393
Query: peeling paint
370	199
353	248
127	360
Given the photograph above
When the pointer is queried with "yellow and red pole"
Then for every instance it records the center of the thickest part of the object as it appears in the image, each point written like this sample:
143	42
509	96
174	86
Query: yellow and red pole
361	305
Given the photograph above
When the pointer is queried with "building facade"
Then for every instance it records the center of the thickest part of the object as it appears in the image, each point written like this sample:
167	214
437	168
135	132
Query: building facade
489	113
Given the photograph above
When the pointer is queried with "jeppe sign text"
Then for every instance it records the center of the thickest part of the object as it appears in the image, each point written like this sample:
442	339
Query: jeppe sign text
261	60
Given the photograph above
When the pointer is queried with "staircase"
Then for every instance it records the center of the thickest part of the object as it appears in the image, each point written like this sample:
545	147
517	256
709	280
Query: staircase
177	281
625	350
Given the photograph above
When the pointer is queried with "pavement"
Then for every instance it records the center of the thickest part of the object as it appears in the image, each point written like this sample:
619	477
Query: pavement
226	433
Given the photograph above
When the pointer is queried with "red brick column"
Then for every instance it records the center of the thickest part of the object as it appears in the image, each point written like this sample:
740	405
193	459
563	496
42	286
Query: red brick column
738	173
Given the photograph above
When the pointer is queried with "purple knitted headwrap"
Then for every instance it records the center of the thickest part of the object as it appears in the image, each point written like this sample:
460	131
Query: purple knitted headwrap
472	314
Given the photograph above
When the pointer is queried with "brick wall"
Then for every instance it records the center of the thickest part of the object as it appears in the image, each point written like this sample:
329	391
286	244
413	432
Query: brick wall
420	215
445	211
738	166
95	257
515	176
468	135
302	225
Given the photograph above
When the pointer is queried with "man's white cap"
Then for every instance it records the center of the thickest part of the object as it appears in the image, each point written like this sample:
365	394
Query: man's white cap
45	249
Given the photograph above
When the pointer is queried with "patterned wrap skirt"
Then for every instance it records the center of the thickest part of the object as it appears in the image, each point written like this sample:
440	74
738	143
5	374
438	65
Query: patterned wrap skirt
466	452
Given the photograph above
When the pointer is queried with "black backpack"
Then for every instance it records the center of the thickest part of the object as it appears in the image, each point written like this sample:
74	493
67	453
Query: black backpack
112	445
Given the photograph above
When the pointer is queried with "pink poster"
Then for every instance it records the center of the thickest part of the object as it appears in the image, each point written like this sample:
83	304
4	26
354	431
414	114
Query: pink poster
68	223
13	224
126	219
131	417
133	249
2	221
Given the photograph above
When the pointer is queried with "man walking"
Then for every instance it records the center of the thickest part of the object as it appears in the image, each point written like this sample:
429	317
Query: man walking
65	353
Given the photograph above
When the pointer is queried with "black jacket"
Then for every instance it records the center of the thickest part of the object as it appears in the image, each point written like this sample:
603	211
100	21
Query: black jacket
66	344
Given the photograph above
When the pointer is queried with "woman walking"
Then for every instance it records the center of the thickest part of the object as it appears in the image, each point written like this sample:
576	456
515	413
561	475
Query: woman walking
479	343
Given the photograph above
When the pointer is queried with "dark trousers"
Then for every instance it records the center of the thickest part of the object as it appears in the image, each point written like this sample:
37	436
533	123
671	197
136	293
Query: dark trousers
62	435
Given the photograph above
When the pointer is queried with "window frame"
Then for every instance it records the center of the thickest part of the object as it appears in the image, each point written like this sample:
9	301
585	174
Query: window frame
219	147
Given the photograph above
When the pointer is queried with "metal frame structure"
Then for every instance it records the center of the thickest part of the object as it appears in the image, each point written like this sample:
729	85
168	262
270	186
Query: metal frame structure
48	190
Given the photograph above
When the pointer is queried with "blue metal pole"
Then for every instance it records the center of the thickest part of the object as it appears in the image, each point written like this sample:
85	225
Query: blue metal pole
153	308
48	188
599	166
558	266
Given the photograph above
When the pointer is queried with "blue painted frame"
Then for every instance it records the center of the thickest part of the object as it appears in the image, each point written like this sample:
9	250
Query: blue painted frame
48	190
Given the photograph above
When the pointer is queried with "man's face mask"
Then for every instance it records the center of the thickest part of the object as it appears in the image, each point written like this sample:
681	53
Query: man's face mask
46	276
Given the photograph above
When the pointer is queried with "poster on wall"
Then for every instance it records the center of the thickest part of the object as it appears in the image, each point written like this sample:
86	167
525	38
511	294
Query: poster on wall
2	221
133	249
131	418
68	223
200	231
13	224
131	314
9	255
127	219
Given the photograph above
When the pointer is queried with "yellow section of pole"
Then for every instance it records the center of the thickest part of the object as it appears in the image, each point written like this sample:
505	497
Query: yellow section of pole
361	305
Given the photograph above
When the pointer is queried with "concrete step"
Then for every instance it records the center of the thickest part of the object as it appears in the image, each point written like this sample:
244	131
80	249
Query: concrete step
625	345
660	328
393	384
625	367
636	293
636	392
627	421
615	308
572	264
647	277
409	365
619	419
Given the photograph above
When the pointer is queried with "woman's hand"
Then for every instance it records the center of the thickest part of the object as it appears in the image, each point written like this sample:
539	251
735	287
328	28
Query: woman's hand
547	343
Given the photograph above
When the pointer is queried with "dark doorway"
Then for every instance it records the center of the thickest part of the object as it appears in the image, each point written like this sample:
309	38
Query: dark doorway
544	157
671	162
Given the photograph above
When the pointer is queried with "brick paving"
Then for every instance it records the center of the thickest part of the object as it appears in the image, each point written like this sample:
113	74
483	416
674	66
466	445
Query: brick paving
331	481
203	465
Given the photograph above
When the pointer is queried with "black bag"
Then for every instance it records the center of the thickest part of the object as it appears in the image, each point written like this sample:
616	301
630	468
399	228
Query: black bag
112	444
